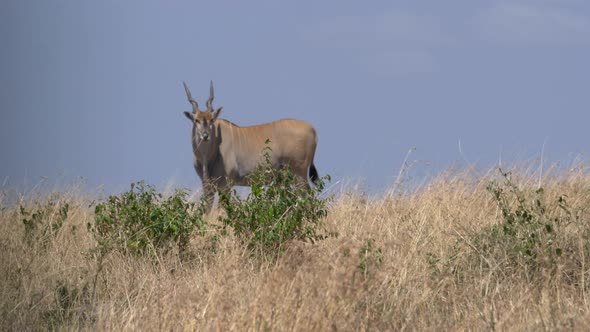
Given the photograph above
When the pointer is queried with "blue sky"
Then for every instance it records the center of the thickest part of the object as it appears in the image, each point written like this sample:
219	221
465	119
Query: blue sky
94	89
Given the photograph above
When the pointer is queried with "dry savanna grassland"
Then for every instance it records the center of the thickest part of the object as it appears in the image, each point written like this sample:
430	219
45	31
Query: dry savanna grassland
468	250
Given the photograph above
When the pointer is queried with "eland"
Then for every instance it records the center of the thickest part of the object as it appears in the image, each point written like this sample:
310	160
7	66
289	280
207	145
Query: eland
225	153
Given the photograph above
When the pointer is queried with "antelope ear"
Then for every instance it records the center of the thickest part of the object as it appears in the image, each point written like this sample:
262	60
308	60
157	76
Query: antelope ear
189	115
217	113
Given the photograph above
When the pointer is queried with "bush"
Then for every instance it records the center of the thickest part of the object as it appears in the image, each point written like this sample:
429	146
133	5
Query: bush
370	257
528	229
44	221
537	239
277	209
140	221
530	237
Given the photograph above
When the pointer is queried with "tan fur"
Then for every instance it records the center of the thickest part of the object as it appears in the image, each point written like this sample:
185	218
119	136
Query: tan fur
292	142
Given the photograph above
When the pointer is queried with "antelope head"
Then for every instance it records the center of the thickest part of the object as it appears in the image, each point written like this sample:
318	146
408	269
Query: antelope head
203	121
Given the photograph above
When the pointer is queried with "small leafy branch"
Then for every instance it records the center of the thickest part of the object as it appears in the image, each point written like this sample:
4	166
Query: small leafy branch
277	210
530	239
528	223
370	257
140	221
44	221
529	234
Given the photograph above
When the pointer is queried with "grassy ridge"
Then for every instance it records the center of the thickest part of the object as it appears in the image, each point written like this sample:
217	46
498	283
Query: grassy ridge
466	251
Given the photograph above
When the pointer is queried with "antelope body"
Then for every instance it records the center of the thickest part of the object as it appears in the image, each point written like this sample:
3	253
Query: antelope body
225	153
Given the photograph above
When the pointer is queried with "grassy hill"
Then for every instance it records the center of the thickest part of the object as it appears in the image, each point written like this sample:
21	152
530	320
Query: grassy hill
468	250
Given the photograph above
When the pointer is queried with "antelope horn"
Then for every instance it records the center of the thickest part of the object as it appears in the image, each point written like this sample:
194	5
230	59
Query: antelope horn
190	98
210	100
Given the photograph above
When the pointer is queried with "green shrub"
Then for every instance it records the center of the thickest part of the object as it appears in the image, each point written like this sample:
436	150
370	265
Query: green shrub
530	237
276	210
370	257
527	226
140	221
530	241
44	221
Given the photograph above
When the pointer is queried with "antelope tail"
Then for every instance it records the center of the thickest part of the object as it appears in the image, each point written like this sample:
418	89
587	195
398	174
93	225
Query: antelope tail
313	174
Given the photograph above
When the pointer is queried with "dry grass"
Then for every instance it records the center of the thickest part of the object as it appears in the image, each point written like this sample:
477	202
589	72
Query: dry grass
422	272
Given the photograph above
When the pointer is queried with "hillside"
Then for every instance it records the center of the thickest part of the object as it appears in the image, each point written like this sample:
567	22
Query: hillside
468	251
